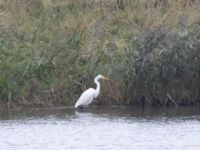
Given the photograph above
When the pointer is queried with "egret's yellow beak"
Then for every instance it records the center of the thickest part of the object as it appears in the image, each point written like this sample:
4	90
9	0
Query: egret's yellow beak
105	78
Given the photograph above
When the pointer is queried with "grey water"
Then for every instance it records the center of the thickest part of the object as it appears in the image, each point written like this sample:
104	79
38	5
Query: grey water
108	128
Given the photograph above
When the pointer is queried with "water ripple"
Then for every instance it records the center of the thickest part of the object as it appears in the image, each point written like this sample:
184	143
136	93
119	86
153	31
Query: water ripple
99	129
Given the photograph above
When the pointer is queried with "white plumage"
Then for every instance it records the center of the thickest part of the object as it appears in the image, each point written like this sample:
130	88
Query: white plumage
88	96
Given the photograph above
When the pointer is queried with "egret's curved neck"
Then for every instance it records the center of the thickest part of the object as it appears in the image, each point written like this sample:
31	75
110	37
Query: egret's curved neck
98	87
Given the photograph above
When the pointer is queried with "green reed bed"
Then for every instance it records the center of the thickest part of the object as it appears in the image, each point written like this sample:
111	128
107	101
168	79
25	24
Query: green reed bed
50	51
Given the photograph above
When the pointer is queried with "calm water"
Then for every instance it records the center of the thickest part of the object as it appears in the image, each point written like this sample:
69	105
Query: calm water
101	129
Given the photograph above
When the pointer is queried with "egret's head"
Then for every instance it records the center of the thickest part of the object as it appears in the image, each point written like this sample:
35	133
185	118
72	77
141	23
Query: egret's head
101	77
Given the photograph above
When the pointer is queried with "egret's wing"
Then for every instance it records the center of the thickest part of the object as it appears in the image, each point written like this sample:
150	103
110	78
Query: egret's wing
86	98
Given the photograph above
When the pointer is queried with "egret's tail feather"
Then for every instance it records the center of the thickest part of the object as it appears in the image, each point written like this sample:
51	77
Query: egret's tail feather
76	105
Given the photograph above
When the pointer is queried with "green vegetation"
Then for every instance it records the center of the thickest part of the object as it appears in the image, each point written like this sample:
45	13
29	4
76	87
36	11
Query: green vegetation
50	51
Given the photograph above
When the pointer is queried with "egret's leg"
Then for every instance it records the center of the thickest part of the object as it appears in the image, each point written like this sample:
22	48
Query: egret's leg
81	107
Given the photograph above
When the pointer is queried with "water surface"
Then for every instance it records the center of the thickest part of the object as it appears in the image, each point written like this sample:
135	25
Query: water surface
101	129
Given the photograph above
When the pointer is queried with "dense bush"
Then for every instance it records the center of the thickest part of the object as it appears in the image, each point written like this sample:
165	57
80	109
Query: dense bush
164	66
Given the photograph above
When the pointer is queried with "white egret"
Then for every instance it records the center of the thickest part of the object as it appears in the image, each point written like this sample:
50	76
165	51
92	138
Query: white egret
88	96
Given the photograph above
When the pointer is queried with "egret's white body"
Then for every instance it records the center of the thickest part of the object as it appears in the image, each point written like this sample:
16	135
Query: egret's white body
90	94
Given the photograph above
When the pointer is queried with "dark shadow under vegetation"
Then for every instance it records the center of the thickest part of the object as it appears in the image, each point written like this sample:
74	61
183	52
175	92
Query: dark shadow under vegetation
50	55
